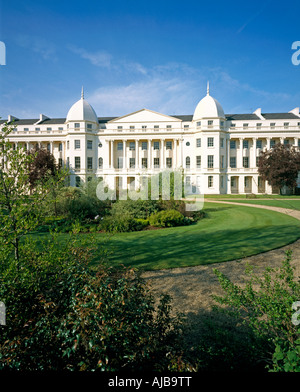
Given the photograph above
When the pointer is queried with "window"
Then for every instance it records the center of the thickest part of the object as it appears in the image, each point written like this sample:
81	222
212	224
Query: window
246	162
222	123
169	127
156	145
169	162
48	147
68	162
210	181
232	125
257	161
60	128
26	129
131	128
156	163
37	129
222	142
77	181
286	142
245	144
60	147
198	161
298	124
77	162
100	163
49	129
198	123
144	163
144	128
187	162
210	142
233	162
198	142
89	126
76	144
120	146
258	143
132	163
68	144
144	145
60	162
89	163
77	125
156	127
169	145
258	125
210	161
119	128
232	144
210	123
245	125
131	146
298	142
89	144
222	181
186	127
286	125
120	163
272	143
272	125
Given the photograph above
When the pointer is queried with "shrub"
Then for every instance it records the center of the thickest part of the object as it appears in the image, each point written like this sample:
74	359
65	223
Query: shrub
138	209
62	315
120	224
168	218
267	310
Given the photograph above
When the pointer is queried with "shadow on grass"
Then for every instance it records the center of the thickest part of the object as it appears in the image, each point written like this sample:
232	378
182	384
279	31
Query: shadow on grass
191	248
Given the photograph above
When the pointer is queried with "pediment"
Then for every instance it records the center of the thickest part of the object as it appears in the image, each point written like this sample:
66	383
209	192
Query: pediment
144	115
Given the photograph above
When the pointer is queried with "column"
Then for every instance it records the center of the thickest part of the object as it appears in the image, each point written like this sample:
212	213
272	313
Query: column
112	154
137	162
162	163
174	155
268	139
124	155
180	153
296	141
253	153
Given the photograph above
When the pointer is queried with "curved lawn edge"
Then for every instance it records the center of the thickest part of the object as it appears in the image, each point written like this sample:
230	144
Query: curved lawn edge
230	232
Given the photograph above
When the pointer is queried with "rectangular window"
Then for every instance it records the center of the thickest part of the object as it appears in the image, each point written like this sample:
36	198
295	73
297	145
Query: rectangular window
144	163
89	163
246	162
186	127
232	144
131	128
245	125
77	125
89	144
76	144
222	142
120	163
68	162
144	145
286	142
210	142
144	128
286	125
298	124
169	145
198	142
156	145
37	129
49	129
245	144
60	162
156	127
232	125
169	127
222	181
210	161
156	163
258	125
132	163
119	128
60	147
272	125
100	163
77	162
198	161
89	126
169	162
233	162
198	123
131	146
26	129
77	181
68	144
272	143
60	128
210	123
258	143
210	181
257	160
120	146
222	161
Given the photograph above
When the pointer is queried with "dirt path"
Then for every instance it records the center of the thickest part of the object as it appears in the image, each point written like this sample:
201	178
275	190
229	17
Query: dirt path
191	287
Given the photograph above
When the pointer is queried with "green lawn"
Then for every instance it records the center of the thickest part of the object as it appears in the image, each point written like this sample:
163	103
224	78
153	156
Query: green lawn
227	233
284	203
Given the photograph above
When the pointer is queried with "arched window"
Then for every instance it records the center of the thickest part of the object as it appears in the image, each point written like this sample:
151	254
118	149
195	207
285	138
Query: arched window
187	162
100	163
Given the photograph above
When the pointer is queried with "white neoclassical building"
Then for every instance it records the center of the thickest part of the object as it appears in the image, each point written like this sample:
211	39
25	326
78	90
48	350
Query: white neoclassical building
218	152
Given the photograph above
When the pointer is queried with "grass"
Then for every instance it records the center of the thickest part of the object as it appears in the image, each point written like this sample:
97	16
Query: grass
227	233
283	203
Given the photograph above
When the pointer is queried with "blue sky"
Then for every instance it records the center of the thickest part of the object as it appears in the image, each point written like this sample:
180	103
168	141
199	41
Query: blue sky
135	54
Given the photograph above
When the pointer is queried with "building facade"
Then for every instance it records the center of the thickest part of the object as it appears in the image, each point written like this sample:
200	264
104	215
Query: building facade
217	152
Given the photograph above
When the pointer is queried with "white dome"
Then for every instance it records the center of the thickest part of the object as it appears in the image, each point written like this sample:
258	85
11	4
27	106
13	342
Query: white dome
208	107
82	111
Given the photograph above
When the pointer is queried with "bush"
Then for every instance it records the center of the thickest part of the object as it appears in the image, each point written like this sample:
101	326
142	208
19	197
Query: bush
62	315
138	209
121	224
267	310
168	218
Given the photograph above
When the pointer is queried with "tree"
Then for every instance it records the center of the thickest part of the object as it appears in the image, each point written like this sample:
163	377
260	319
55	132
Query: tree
280	166
20	204
41	166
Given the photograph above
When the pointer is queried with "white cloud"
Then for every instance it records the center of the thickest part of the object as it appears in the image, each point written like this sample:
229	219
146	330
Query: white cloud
99	58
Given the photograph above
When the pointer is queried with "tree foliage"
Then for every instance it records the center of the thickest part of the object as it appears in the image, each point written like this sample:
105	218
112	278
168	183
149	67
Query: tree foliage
280	166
